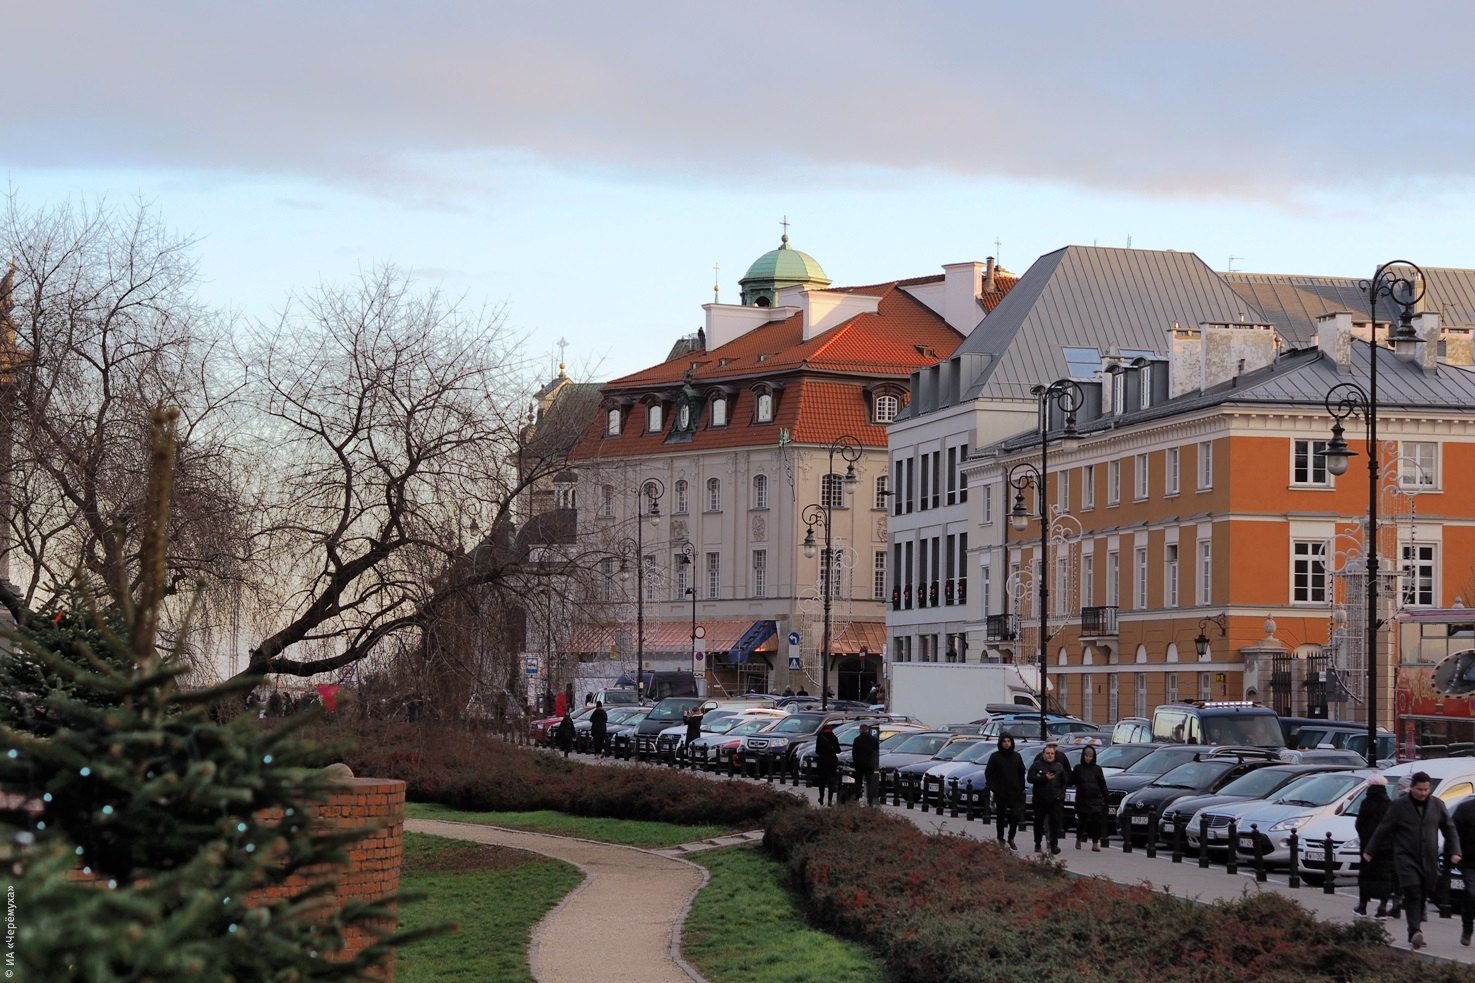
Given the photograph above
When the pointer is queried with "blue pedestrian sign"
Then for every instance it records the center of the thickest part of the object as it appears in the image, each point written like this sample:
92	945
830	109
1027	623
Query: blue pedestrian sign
794	639
793	663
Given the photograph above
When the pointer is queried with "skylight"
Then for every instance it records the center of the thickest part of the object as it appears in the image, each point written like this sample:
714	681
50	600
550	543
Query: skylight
1084	363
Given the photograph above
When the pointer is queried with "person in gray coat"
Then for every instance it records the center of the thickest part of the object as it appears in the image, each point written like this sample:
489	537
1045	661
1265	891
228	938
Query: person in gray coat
1413	825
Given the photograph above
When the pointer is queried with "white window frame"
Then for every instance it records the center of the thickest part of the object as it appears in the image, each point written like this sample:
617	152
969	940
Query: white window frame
714	576
1170	471
1139	593
1088	487
1141	695
1310	579
760	491
832	491
886	408
1205	571
1205	686
1170	682
653	418
760	573
1060	586
1142	474
1205	465
1424	456
987	492
1088	579
683	497
1062	490
1170	575
763	408
606	501
1113	696
883	491
1308	465
1422	590
719	412
612	423
878	575
714	494
1113	596
1113	483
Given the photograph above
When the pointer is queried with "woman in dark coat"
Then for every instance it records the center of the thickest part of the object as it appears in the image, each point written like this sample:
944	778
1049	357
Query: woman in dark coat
1003	777
565	734
826	761
1374	879
1090	784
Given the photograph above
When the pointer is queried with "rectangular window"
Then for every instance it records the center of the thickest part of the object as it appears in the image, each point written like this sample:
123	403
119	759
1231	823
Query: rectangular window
608	568
1205	465
683	497
878	575
988	504
683	577
1088	581
962	478
1308	467
882	492
986	585
1205	572
714	495
830	574
1170	575
952	476
1418	464
1205	686
714	576
1113	696
1170	471
926	482
1060	589
1417	574
760	491
606	501
1308	571
832	491
1141	710
1088	487
1139	487
1062	490
1171	681
1088	703
760	573
936	479
1113	579
1140	558
1113	482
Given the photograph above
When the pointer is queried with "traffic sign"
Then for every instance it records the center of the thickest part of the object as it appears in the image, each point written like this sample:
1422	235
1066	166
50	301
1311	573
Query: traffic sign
793	663
532	667
793	638
699	632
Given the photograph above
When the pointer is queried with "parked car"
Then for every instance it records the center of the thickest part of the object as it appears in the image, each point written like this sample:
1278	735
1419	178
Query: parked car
667	713
671	742
1161	759
1113	759
1240	723
771	750
614	716
1138	812
1132	730
544	728
622	735
1016	725
909	750
912	776
1257	784
1265	827
846	733
721	751
1302	733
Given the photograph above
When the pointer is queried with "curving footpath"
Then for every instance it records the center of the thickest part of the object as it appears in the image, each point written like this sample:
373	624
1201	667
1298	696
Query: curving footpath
621	925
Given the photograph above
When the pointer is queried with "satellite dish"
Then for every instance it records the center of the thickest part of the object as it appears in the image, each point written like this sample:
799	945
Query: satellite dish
1455	676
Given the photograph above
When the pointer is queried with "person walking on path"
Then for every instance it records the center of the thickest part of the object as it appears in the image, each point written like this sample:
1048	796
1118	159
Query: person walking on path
598	727
1375	877
1464	820
1003	778
826	761
865	755
1413	825
566	734
1090	783
693	718
1049	775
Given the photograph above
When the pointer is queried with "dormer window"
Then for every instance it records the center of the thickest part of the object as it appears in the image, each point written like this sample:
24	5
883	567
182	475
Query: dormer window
683	417
719	412
763	412
612	423
1144	378
653	418
886	407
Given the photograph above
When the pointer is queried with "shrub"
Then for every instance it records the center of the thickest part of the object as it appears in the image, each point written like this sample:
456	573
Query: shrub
948	908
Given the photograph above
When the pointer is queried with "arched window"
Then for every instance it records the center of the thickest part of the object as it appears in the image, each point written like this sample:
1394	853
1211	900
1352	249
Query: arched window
683	417
683	497
886	407
764	411
719	412
760	491
653	418
606	501
612	423
714	495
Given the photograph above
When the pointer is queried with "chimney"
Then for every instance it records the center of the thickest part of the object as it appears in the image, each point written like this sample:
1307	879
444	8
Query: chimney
1228	351
1185	361
1334	338
988	276
1458	347
1426	349
962	287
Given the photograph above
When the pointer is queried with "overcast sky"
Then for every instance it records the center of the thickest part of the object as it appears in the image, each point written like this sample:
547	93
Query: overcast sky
585	165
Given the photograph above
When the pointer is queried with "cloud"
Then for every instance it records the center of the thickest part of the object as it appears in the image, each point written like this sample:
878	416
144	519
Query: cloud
1249	100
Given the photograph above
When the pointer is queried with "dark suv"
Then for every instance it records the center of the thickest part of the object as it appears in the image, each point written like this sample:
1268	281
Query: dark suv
667	713
772	750
1239	723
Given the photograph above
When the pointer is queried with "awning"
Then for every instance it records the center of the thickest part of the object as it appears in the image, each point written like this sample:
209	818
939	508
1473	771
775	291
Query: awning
851	637
758	633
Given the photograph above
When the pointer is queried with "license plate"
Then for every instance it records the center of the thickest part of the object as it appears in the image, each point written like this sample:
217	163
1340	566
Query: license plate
1316	853
1070	795
1218	834
1139	820
1456	884
1247	842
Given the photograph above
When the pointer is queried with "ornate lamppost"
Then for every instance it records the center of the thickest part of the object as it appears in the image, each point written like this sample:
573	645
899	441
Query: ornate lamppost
1401	282
647	505
1068	397
832	494
687	557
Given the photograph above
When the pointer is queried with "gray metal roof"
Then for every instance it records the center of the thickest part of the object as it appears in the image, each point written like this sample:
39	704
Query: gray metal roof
1098	297
1292	303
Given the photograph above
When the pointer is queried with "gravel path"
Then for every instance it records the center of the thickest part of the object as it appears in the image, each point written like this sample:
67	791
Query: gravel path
622	925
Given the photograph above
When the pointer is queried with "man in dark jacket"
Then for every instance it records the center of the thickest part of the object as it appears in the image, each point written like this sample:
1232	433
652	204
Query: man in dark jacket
1049	775
1413	825
1464	820
1003	777
826	761
565	734
865	754
598	727
1090	783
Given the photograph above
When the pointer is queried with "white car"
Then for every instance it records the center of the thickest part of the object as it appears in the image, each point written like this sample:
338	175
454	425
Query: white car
1220	814
1454	779
1266	826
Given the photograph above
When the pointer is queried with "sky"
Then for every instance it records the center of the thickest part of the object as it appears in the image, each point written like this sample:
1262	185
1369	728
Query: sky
583	166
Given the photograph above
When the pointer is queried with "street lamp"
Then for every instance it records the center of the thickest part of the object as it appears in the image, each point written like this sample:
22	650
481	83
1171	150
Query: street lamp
647	505
687	557
1201	645
831	493
1401	282
1068	397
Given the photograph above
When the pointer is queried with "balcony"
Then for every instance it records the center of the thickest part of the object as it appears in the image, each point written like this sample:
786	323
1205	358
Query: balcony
1099	622
1001	628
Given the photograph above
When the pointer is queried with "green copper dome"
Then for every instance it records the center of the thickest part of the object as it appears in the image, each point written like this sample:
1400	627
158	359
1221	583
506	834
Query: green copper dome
779	268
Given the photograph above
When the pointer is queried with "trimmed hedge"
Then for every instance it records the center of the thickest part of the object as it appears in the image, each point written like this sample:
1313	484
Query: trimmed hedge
948	909
478	773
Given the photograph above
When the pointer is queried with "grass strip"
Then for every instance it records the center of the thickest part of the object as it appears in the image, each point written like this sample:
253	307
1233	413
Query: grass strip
630	832
495	894
746	927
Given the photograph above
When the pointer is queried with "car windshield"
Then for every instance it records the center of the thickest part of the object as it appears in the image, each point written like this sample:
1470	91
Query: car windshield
1122	755
1259	783
1244	730
1069	726
797	724
754	726
622	714
671	710
977	751
1195	774
845	733
1316	790
921	744
1162	760
721	725
892	741
951	751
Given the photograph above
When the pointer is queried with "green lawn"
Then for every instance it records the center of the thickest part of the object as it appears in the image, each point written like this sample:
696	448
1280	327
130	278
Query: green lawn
631	832
496	895
745	927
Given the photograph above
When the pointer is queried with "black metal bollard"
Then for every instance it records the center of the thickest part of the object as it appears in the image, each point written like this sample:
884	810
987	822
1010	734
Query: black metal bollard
954	812
1231	866
968	814
1259	857
770	770
941	796
895	789
1152	833
1294	844
1329	886
1180	826
911	799
1203	842
1125	822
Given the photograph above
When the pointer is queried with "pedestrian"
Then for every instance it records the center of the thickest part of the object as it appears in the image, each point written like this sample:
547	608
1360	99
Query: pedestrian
788	691
865	755
826	761
1003	779
566	734
1374	877
598	727
802	692
1413	825
693	719
1049	776
560	704
1464	820
1090	783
